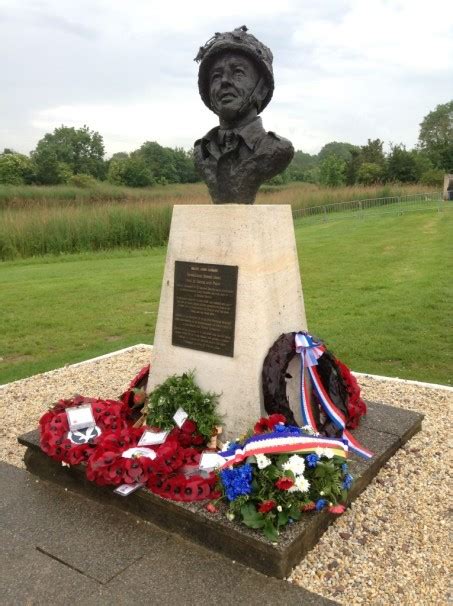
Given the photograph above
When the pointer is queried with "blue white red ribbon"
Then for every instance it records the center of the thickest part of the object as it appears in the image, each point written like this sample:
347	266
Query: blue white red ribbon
310	350
293	440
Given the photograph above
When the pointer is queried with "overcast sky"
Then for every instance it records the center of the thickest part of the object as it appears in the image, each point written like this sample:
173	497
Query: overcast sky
345	70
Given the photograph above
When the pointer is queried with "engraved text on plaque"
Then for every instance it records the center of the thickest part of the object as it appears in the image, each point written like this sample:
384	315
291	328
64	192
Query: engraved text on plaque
204	307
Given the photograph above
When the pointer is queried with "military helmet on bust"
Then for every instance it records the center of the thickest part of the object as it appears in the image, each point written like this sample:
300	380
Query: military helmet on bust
237	40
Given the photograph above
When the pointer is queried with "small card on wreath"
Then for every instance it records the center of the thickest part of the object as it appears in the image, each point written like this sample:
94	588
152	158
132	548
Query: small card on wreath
139	451
126	489
180	416
150	438
80	417
210	461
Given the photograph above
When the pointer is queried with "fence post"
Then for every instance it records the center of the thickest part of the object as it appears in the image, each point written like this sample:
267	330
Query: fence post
325	213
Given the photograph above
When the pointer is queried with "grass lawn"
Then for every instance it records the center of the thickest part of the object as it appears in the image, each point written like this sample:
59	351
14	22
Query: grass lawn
379	290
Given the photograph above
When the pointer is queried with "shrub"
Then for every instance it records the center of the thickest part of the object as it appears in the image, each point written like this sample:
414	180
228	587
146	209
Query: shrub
83	181
15	169
434	177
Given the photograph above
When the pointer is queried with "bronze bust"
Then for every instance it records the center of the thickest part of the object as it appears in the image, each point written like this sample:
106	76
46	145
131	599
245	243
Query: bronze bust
236	82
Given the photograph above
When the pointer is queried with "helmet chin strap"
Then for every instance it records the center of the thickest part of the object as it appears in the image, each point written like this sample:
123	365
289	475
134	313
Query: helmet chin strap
251	99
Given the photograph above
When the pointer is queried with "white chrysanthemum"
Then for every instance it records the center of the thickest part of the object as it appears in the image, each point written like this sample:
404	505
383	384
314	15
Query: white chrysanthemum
296	464
262	461
300	485
324	452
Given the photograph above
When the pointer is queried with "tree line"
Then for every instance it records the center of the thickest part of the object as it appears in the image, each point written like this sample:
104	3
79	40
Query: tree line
77	156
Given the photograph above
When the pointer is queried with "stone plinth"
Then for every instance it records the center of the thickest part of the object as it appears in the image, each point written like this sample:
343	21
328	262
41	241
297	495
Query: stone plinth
260	241
448	187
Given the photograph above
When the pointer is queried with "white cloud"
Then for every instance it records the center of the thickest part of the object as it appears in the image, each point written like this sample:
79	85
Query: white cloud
345	69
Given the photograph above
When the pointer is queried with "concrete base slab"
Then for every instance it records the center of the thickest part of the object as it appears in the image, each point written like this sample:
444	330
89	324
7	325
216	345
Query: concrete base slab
112	557
385	430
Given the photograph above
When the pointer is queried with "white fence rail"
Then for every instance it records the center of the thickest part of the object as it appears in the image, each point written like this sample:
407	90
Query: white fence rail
362	208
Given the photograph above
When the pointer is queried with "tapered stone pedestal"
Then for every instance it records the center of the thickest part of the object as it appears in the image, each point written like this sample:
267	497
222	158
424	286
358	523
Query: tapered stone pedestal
260	242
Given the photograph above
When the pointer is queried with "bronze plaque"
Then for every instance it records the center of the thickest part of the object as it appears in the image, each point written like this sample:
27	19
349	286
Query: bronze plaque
204	307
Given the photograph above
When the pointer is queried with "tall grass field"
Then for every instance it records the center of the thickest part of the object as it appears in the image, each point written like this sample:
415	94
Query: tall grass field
57	220
378	290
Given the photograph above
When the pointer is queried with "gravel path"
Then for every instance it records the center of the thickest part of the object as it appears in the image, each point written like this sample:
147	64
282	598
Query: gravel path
390	547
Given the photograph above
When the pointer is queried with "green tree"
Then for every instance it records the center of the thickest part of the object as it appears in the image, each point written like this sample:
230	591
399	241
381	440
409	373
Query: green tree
300	165
373	152
15	169
336	148
436	136
160	160
49	170
434	177
370	173
131	171
401	165
353	166
79	150
332	171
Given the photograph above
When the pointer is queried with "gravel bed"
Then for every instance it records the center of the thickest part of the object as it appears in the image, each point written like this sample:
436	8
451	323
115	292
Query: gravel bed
390	547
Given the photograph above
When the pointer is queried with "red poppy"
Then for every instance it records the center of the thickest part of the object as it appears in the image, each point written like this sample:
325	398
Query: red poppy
197	439
267	506
261	426
189	426
275	419
284	483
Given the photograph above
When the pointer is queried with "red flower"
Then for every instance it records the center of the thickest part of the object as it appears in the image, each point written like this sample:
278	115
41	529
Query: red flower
267	506
185	440
197	439
139	397
284	483
261	426
356	406
275	419
189	426
337	509
212	508
309	506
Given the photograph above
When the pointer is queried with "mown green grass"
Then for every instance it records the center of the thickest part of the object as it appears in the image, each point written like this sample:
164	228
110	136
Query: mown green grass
379	291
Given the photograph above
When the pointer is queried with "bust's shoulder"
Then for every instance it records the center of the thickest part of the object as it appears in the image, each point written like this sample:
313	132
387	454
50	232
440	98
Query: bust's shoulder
277	146
280	142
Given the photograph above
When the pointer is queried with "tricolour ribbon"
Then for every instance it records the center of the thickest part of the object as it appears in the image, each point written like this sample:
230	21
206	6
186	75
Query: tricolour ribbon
310	350
278	442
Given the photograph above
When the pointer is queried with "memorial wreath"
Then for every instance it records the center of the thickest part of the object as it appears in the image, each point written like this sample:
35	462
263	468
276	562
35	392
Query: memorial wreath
265	479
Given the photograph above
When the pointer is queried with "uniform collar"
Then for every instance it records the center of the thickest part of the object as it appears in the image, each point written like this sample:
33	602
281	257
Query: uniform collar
250	134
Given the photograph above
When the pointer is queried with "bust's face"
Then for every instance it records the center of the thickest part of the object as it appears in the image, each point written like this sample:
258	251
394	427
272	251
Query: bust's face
232	79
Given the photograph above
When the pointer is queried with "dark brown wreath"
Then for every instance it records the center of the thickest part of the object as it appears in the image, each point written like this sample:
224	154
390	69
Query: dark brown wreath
274	377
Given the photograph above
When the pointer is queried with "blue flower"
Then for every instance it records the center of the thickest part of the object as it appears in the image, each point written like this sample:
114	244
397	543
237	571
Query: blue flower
237	481
347	481
280	427
320	504
312	460
344	468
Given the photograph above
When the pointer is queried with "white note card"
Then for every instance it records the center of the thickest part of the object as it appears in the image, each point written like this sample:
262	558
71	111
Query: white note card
180	416
126	489
210	461
80	417
150	438
139	451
